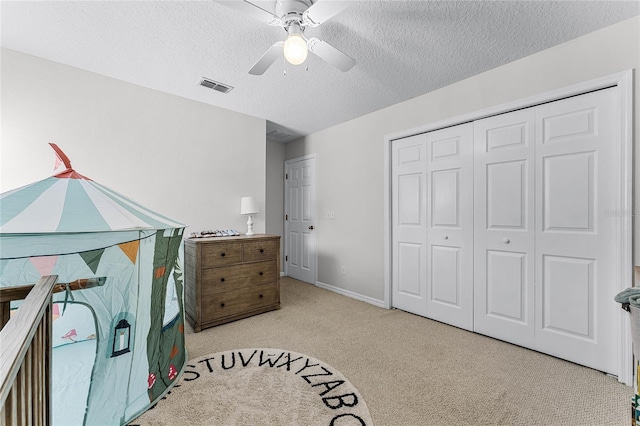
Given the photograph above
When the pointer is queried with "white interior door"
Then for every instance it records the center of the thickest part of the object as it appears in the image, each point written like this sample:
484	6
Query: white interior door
577	153
409	224
504	227
300	215
450	225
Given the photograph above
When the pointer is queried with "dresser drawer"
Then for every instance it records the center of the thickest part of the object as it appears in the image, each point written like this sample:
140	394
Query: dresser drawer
260	250
221	254
228	278
221	305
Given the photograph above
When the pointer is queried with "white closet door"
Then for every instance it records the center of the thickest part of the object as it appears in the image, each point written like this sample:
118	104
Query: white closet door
577	151
409	229
450	225
504	227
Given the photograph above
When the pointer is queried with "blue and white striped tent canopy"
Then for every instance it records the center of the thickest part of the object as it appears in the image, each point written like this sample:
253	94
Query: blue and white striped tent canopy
72	227
70	203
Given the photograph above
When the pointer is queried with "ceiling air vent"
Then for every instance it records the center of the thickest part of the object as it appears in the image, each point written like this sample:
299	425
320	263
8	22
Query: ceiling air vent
215	85
277	135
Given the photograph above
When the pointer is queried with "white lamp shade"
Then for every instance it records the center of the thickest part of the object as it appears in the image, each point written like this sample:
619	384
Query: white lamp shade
248	205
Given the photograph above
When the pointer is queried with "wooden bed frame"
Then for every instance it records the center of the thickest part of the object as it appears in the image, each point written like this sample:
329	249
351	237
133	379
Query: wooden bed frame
25	365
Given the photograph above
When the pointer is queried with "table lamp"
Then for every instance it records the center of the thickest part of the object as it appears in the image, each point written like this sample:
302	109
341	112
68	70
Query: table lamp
248	206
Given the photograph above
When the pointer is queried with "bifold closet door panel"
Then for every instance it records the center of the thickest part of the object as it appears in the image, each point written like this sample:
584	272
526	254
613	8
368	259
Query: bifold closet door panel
409	224
504	227
577	158
450	225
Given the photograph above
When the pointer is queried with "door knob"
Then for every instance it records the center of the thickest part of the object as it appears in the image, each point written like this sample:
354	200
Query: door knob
446	237
506	240
311	227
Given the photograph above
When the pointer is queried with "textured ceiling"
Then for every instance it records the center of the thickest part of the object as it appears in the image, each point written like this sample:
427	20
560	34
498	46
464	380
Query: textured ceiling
403	49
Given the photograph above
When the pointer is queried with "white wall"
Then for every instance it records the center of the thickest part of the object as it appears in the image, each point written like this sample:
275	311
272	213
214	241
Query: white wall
350	155
274	211
187	160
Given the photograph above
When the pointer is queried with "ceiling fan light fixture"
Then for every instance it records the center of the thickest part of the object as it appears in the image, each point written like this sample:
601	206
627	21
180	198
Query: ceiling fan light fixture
295	46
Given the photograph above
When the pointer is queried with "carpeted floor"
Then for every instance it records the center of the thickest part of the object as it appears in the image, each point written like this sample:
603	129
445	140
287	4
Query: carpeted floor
415	371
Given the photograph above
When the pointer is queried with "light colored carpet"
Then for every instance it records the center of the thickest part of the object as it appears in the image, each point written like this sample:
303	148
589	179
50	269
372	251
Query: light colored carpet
415	371
260	387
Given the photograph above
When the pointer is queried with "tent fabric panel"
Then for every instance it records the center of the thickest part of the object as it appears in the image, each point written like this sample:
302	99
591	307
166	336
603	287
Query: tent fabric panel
117	299
74	205
71	375
115	214
41	215
25	271
138	395
156	219
80	213
17	272
15	201
19	246
164	361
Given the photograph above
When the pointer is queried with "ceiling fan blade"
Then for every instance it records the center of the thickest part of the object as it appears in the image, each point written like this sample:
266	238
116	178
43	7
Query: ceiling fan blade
250	9
322	11
330	54
269	57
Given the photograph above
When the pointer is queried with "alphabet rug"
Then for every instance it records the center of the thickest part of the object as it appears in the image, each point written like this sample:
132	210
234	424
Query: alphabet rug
260	387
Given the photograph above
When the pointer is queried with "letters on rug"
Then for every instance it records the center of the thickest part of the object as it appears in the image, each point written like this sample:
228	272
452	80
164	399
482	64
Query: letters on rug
260	387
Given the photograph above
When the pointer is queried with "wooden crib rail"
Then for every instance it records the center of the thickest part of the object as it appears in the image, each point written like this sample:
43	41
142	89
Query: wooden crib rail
25	364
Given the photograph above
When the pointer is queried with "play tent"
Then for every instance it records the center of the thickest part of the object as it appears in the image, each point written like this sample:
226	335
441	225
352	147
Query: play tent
118	341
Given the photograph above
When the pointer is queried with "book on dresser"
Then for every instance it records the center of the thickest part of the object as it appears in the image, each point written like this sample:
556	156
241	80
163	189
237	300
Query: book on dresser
230	278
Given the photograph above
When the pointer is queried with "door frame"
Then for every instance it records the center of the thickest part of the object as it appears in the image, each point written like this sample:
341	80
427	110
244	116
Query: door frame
285	211
624	81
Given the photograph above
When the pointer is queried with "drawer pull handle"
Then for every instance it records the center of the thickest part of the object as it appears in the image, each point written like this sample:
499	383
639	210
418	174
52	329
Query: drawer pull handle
222	305
222	254
261	250
221	280
261	296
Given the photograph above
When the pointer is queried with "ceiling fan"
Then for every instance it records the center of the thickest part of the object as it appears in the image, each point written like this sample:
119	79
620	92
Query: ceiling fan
294	16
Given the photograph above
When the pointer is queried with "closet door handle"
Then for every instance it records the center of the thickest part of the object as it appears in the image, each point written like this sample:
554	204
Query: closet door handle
506	240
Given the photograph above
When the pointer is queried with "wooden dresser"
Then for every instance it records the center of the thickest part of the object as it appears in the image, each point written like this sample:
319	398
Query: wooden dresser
228	278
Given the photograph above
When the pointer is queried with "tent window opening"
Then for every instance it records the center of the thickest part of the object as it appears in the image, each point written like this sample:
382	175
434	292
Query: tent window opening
74	341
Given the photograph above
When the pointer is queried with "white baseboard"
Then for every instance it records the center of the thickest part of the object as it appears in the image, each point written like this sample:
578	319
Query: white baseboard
351	294
282	274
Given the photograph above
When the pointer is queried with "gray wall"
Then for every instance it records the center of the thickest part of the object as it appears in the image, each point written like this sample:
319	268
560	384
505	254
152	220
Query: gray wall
274	211
185	159
350	155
